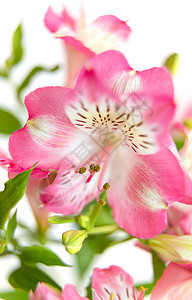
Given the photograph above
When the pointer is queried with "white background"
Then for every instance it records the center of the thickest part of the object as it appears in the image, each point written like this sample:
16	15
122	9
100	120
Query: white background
159	29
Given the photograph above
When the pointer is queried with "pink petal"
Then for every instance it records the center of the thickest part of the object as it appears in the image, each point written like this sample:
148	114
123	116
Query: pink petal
113	26
113	280
52	21
48	134
69	292
141	190
186	222
68	193
33	196
176	283
43	292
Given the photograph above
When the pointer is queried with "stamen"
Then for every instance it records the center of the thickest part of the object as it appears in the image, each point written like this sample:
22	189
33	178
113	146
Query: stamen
106	186
112	296
82	170
97	168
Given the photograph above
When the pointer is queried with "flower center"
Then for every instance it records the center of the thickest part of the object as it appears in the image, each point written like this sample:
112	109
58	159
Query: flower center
113	125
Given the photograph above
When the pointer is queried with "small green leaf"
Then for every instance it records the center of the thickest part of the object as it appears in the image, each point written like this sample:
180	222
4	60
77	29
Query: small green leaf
14	190
61	219
16	295
172	63
17	51
158	266
11	226
30	76
8	122
40	254
26	278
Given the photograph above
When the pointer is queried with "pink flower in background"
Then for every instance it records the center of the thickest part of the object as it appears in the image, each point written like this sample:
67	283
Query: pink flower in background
43	292
176	283
38	179
84	41
118	120
114	283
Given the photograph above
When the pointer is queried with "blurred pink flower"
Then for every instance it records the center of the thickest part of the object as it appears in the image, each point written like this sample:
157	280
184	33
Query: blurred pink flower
83	41
176	283
114	283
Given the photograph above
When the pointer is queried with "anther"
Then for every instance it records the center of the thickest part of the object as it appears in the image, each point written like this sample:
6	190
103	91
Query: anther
102	202
97	168
106	186
112	296
82	170
92	166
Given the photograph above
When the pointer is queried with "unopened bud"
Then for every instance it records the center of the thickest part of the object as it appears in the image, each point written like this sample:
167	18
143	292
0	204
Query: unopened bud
83	220
73	240
172	63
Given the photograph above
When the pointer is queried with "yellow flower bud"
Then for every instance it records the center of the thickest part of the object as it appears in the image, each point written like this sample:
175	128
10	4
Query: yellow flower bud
73	240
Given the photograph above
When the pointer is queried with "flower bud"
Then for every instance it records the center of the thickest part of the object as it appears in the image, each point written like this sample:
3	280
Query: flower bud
177	249
172	63
73	240
83	220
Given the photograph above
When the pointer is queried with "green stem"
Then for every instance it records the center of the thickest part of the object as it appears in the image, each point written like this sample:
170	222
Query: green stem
103	229
94	214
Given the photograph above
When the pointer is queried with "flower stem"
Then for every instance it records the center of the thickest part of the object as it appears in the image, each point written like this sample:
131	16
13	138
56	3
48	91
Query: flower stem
103	229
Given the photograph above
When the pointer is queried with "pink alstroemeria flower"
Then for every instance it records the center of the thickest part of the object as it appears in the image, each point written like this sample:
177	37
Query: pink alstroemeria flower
176	283
114	283
43	292
83	41
118	120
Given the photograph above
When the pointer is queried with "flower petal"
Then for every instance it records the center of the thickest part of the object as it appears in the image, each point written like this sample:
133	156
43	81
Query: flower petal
68	193
43	292
141	190
48	135
69	292
176	283
114	282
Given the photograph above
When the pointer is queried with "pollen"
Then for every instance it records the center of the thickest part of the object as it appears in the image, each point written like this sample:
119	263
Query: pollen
106	186
97	168
82	170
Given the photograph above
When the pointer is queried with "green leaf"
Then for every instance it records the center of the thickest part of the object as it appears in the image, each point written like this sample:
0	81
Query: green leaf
8	122
11	226
17	52
14	190
89	291
30	76
62	219
40	254
16	295
172	63
158	266
26	278
84	258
